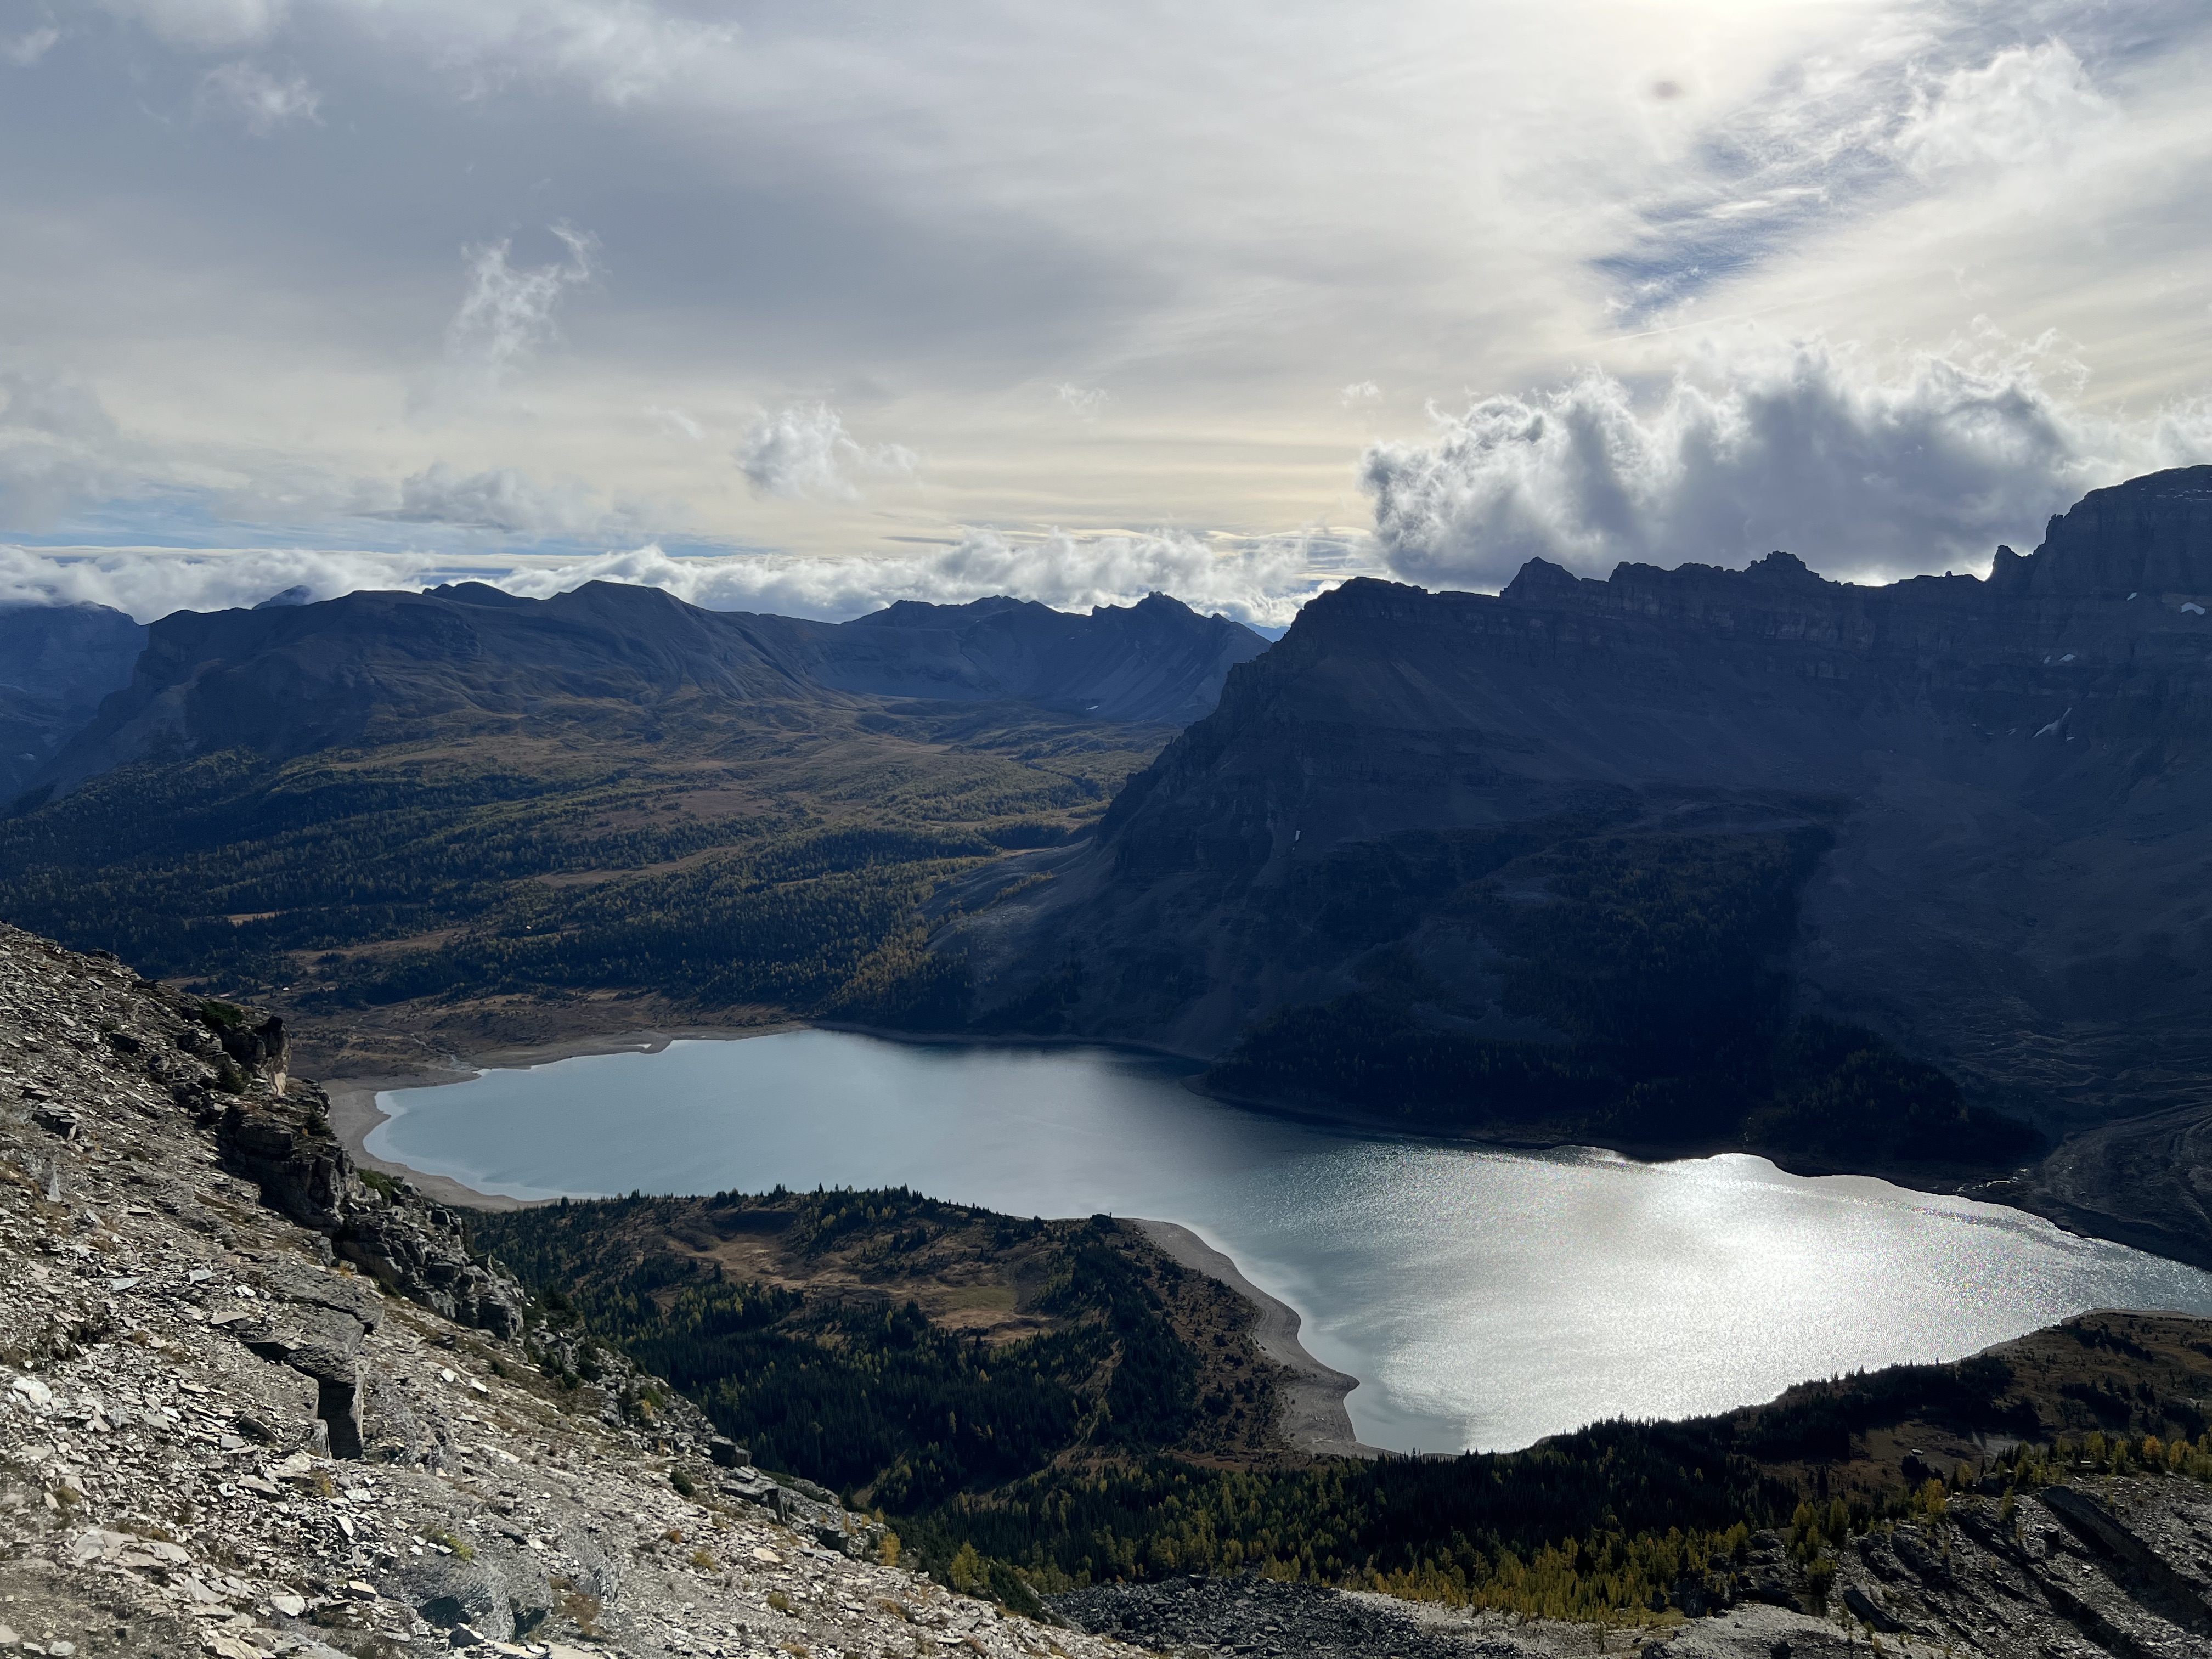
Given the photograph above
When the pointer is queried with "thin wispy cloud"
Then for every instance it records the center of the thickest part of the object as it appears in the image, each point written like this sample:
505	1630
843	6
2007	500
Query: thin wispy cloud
59	449
677	420
501	499
508	312
1083	400
203	25
255	99
24	50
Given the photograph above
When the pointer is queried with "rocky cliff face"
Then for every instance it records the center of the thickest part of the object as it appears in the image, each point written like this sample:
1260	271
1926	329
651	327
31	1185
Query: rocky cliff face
2013	778
237	1418
2151	535
296	678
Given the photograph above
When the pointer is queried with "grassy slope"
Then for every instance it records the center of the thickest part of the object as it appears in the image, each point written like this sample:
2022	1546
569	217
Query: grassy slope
706	861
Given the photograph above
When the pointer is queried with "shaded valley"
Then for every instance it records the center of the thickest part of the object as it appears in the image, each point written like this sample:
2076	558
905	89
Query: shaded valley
462	818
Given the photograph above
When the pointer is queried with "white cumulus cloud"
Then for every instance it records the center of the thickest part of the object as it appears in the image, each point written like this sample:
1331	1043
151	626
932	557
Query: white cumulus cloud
1808	447
1262	581
2026	106
804	451
148	583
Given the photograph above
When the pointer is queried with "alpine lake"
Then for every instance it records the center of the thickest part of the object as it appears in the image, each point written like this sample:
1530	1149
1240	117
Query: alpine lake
1484	1298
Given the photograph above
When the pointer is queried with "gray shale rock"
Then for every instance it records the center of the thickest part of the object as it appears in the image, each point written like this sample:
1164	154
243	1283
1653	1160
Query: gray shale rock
410	1246
168	1338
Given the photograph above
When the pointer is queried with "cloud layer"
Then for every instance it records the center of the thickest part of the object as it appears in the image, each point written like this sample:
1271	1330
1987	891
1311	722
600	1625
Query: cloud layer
1860	470
1261	583
554	276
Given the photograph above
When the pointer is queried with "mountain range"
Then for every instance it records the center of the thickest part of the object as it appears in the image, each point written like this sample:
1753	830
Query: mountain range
1600	854
292	679
1907	879
57	662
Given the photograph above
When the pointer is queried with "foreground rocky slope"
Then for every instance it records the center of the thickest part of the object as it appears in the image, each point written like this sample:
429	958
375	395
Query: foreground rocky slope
226	1432
1983	807
239	1415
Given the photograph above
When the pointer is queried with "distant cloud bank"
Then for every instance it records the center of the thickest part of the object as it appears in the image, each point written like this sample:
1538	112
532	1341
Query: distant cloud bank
1262	582
1861	472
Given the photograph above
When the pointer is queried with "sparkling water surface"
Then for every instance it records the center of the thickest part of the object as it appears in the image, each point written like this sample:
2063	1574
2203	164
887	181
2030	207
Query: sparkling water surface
1484	1298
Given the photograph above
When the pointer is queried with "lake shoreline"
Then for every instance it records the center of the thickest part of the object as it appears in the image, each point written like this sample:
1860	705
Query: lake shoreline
1075	1130
1315	1419
354	1115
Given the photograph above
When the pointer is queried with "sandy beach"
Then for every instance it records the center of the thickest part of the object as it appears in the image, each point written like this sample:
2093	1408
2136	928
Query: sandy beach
1314	1417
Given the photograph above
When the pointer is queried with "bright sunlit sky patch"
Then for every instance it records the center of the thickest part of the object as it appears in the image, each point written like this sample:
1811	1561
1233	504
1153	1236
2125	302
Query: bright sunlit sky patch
810	306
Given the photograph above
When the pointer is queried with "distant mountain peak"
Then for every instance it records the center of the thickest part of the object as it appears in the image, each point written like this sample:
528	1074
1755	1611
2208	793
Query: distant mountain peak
300	678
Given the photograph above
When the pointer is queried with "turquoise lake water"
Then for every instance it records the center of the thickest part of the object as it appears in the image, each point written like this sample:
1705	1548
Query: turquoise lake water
1484	1298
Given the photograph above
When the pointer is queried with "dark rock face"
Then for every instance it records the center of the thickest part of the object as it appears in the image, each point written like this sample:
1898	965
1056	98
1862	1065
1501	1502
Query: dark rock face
296	678
412	1248
1158	662
2013	776
2149	536
315	1324
57	662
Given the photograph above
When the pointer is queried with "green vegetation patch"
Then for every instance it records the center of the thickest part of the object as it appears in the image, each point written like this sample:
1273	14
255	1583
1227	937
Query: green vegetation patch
713	854
857	1386
1020	1468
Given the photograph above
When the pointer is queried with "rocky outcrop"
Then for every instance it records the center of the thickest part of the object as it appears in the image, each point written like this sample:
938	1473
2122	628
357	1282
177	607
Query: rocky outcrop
384	1227
186	1369
315	1322
2149	536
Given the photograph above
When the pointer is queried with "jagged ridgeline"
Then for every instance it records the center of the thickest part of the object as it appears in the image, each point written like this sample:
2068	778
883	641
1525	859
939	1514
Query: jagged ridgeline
460	795
1866	877
1040	1405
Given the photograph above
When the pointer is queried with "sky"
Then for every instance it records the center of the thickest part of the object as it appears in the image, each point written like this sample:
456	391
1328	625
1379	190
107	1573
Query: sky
811	306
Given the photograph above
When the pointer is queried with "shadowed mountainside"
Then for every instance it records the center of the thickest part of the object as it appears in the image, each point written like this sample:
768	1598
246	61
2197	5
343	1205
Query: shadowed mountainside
289	680
57	662
465	818
1588	853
